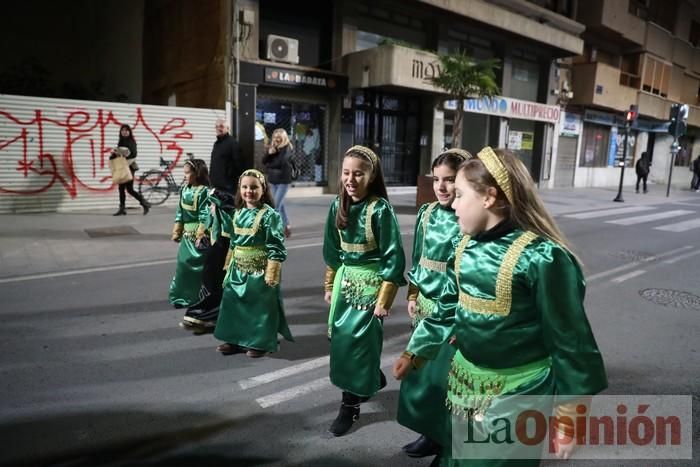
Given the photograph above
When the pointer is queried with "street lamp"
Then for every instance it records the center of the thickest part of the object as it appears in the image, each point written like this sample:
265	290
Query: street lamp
630	117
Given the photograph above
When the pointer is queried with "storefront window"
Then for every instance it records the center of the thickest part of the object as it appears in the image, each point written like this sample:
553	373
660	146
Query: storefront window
524	80
596	139
305	125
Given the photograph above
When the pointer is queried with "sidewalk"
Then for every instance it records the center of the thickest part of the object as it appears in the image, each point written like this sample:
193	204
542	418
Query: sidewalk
52	242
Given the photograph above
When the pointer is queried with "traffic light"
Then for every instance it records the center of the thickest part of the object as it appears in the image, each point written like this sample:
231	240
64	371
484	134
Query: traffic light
631	115
679	120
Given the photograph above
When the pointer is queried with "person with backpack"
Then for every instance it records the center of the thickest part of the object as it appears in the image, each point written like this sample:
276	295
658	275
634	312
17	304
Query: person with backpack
642	169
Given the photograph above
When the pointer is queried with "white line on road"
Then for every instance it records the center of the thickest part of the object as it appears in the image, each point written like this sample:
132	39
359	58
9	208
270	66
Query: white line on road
681	257
634	264
650	217
681	226
608	212
293	393
50	275
284	372
629	275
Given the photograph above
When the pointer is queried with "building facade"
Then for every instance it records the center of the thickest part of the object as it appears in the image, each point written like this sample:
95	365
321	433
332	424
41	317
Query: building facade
637	52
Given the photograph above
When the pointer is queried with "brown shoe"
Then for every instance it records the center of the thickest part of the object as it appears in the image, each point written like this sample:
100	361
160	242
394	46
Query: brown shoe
228	349
287	231
252	353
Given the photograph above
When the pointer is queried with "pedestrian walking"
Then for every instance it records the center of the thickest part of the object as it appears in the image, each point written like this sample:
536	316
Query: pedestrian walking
126	147
278	167
365	264
642	168
696	175
422	397
514	302
225	165
251	312
191	218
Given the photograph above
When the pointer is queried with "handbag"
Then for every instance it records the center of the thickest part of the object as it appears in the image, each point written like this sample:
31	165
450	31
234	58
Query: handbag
293	169
119	167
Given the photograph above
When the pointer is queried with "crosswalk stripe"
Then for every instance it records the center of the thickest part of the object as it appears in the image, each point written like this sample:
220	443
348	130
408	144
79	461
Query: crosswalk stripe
608	212
650	217
633	264
682	257
680	226
284	372
629	275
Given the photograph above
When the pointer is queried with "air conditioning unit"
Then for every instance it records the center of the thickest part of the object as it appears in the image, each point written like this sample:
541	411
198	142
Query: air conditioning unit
282	49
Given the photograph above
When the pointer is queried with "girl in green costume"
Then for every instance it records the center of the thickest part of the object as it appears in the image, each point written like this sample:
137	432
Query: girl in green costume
365	263
422	397
251	312
189	230
515	295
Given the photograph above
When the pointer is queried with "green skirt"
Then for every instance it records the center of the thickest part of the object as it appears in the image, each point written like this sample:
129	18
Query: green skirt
186	284
422	398
356	334
251	313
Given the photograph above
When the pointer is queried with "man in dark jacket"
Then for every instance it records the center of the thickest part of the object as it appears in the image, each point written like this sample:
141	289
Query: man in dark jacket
225	165
696	171
642	169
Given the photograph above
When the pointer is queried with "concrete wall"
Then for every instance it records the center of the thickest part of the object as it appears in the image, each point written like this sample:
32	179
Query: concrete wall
682	53
88	49
615	16
588	76
659	41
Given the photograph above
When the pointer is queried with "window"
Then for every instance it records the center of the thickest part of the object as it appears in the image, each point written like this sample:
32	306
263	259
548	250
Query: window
661	12
657	75
639	8
694	37
629	71
596	141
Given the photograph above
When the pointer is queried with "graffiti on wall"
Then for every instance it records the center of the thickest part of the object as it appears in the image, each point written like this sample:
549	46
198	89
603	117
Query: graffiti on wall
81	160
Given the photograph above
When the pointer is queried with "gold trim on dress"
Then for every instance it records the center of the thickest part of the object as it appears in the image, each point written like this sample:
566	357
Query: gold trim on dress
504	280
178	230
273	272
413	292
328	279
371	243
437	266
195	202
386	295
250	231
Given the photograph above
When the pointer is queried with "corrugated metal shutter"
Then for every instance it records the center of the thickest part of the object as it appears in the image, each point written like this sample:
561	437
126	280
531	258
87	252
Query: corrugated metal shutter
54	153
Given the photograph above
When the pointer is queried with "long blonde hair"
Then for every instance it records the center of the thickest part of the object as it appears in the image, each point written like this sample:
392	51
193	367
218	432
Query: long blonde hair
285	138
527	211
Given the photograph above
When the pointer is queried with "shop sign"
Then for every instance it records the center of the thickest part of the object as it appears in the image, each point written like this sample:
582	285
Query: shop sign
570	124
509	107
520	140
298	78
608	119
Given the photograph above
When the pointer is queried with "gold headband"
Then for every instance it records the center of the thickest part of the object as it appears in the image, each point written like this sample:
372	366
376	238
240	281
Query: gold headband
497	170
368	153
466	155
253	173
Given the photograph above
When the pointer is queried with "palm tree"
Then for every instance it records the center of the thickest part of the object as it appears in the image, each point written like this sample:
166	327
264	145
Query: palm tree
463	77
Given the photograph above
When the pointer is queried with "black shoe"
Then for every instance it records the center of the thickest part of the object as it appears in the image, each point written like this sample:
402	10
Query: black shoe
346	417
120	212
146	208
422	447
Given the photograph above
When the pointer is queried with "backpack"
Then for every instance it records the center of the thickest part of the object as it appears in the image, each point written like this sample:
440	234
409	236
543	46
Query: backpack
293	169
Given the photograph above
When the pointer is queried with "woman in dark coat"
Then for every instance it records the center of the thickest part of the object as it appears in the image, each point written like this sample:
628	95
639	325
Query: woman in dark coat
279	172
126	140
642	169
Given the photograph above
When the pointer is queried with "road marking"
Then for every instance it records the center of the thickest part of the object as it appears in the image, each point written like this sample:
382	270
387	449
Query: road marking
650	217
681	226
608	212
284	372
116	267
681	257
629	275
634	264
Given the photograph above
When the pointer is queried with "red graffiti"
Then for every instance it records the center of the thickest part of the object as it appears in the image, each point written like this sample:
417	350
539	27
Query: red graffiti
85	134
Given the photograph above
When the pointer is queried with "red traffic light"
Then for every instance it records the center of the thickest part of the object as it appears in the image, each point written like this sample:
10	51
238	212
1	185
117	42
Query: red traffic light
631	114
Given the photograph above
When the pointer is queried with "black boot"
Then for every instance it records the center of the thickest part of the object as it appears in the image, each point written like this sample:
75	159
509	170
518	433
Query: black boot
121	211
422	447
347	415
146	206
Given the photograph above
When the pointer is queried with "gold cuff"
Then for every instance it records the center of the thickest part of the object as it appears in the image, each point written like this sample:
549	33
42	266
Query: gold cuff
412	292
416	361
227	261
565	414
328	279
273	272
201	231
178	229
387	293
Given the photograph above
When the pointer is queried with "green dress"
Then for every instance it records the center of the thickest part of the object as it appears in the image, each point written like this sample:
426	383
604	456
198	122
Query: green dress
193	215
251	313
517	304
422	397
368	258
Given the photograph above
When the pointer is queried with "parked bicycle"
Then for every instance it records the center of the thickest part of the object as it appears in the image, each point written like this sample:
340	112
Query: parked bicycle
155	185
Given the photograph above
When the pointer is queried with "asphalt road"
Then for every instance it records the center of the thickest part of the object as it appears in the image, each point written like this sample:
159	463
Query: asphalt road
95	371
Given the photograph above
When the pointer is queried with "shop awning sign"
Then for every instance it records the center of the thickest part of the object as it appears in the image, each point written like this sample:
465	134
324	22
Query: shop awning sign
509	107
298	78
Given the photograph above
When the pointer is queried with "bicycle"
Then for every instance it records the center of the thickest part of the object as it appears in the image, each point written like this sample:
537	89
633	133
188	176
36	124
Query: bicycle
150	186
